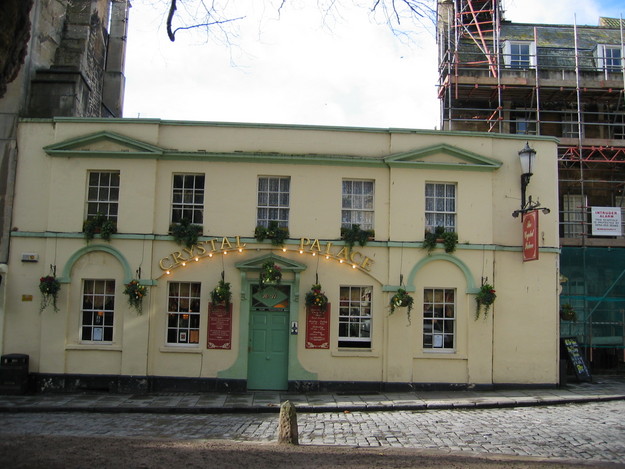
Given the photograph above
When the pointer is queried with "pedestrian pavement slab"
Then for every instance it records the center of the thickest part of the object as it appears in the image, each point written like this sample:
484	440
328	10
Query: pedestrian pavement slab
601	389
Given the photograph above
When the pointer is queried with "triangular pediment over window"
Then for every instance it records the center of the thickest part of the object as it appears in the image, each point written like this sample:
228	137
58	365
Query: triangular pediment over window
104	144
284	263
442	156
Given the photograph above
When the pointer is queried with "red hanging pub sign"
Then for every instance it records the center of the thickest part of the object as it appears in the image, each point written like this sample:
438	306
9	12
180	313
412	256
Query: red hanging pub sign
530	236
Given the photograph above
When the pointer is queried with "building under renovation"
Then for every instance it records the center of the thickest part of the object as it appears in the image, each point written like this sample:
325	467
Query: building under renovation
567	81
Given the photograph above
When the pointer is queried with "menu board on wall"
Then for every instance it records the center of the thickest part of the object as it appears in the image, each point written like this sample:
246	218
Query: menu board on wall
219	326
318	327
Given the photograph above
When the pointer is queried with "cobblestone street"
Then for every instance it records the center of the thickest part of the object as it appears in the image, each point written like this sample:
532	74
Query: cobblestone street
590	432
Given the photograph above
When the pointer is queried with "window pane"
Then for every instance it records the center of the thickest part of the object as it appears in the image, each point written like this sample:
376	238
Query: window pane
188	198
438	318
355	317
183	317
102	194
98	306
273	200
358	204
440	206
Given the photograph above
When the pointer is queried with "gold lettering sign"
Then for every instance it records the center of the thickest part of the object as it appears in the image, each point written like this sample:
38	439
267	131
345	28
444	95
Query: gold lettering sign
208	247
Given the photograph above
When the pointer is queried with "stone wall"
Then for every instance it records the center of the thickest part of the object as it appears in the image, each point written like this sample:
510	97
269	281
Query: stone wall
62	71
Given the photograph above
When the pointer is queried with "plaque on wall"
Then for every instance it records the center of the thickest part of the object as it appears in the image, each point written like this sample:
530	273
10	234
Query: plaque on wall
219	326
318	327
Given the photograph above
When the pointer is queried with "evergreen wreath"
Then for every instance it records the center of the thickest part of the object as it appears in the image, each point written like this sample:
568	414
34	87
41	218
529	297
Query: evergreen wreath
270	273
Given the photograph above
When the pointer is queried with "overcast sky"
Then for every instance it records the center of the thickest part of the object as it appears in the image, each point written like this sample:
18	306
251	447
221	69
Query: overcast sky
302	68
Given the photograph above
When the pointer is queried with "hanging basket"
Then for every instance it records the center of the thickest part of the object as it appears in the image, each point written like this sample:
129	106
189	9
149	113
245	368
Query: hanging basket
401	299
567	313
221	294
49	287
316	298
484	299
136	292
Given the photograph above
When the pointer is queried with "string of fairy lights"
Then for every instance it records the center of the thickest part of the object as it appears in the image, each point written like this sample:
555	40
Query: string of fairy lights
241	250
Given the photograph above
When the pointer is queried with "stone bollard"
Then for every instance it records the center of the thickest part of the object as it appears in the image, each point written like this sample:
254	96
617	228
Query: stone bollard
287	424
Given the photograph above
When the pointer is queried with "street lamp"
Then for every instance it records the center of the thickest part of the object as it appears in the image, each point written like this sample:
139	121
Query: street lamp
527	157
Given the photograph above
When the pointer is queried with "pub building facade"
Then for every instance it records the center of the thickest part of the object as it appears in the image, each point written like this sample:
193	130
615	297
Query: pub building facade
138	222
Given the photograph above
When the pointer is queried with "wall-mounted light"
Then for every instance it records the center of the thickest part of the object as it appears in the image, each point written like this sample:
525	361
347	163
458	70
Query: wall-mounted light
527	158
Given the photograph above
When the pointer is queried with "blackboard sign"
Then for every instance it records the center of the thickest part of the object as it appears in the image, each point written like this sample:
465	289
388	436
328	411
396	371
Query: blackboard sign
571	347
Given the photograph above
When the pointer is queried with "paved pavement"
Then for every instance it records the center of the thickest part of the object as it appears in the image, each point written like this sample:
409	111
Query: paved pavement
603	388
582	422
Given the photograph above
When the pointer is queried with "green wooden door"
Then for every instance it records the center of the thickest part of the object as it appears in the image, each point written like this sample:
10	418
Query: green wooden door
268	357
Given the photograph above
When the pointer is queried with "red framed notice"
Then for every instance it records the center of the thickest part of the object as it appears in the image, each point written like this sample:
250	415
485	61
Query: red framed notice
530	236
318	327
219	326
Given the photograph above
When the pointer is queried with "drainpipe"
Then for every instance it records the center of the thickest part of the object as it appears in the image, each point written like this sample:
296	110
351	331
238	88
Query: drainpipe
4	270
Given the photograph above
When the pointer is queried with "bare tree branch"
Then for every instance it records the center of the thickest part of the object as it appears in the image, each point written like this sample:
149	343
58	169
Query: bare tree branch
202	25
197	14
170	17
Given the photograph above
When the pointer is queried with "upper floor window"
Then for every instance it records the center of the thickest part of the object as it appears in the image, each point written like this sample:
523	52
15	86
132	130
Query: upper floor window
440	206
103	194
183	313
355	317
519	54
358	204
609	58
188	198
98	310
439	318
273	200
617	129
570	124
524	126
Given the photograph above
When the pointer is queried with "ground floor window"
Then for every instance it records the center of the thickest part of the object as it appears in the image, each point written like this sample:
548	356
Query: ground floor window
439	318
183	316
355	317
98	310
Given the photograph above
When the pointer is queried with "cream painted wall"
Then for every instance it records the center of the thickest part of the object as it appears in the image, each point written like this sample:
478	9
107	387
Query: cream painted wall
516	343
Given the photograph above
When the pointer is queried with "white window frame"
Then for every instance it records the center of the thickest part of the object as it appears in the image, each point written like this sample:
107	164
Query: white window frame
183	299
187	198
441	209
508	55
97	312
439	319
355	316
574	215
604	62
358	203
102	194
273	200
570	125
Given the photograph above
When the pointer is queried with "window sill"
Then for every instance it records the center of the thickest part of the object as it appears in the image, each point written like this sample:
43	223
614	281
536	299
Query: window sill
366	353
104	347
441	354
181	349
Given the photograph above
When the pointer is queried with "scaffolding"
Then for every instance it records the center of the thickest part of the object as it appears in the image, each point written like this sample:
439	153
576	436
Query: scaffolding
566	81
567	86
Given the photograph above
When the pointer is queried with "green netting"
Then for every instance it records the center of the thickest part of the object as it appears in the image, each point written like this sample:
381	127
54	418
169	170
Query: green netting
595	288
